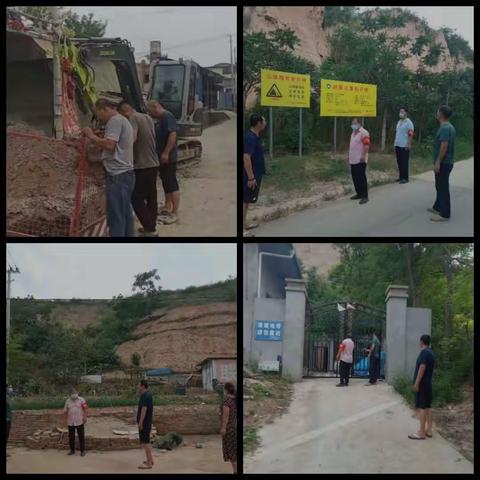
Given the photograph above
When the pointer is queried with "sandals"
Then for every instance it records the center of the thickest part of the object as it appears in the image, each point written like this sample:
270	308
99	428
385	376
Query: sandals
414	436
145	467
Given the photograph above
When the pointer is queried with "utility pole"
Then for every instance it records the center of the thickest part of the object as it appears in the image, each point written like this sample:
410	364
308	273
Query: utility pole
10	272
231	71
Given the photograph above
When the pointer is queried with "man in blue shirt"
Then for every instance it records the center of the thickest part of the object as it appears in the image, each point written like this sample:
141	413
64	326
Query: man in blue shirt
253	165
444	157
403	144
422	385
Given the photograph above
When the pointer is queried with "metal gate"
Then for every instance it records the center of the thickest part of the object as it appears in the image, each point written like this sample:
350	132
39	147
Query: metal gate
326	326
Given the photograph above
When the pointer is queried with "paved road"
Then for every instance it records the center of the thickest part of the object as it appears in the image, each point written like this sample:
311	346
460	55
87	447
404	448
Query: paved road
208	203
350	430
393	210
184	459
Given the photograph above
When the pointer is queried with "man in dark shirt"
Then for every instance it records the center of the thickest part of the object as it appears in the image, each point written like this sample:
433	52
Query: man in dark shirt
443	157
166	140
422	384
374	360
253	165
144	421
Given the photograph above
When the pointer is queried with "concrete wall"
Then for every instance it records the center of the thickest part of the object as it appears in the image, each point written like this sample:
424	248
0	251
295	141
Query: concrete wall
294	329
250	269
404	327
267	309
419	322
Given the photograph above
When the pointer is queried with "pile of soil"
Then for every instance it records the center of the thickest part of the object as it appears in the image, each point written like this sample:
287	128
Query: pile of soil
41	183
455	423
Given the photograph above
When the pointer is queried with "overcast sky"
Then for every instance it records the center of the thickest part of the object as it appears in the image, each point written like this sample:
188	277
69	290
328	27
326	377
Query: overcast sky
199	33
458	18
64	270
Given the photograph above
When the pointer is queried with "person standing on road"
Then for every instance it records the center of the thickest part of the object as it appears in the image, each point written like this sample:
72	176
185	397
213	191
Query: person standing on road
444	155
166	142
345	356
374	360
422	385
253	166
117	156
76	412
145	161
229	426
358	159
144	421
403	144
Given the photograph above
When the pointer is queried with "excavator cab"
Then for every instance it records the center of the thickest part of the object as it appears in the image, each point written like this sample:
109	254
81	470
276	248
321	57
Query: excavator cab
177	85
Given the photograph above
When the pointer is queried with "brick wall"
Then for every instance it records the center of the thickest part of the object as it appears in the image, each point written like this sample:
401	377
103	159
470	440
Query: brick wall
185	419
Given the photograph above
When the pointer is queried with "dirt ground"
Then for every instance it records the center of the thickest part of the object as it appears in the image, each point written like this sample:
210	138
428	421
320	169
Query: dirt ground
455	423
41	183
208	204
184	459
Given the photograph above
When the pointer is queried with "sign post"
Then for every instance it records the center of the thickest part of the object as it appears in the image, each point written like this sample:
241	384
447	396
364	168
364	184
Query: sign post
284	89
270	122
300	134
334	134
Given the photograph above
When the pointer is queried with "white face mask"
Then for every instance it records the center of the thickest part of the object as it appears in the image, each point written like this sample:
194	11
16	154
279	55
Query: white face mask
355	127
74	396
401	115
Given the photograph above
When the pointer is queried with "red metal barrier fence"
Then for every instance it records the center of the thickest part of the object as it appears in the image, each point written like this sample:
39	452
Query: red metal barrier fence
52	190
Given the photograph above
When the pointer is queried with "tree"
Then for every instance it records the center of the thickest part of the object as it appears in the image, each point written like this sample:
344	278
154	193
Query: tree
85	25
136	359
145	283
74	24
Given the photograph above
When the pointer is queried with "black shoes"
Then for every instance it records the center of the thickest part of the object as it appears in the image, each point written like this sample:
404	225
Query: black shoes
363	200
71	453
402	181
355	197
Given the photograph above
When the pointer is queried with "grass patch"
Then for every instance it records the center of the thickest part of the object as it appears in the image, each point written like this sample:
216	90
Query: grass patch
289	173
40	403
446	389
250	439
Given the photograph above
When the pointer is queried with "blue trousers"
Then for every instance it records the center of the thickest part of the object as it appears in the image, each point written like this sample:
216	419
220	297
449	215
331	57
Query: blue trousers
119	190
442	201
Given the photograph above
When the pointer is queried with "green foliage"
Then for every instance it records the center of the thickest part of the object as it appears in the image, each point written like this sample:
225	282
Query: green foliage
44	355
250	439
439	276
360	51
85	26
145	283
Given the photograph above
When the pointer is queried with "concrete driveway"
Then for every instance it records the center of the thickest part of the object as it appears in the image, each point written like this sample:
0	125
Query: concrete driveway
356	429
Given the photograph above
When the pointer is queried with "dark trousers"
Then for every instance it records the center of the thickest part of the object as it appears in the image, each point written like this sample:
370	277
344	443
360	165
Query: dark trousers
403	155
81	437
359	178
119	190
344	370
374	369
144	197
442	202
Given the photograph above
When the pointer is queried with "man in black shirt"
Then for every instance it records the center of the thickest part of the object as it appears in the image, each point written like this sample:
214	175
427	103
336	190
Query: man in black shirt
422	384
144	421
166	141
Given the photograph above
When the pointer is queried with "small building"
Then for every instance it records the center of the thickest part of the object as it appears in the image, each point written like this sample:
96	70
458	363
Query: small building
223	368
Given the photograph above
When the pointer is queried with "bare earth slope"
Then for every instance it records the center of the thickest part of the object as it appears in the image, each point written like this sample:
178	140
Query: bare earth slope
182	337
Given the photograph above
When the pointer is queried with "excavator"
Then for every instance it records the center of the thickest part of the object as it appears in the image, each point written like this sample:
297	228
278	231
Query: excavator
43	65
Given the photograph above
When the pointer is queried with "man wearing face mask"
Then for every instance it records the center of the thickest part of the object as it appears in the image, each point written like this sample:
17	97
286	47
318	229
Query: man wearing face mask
358	158
76	412
403	144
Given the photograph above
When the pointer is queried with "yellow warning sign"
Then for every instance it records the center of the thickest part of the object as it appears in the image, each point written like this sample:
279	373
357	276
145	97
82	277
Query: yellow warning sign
284	89
347	99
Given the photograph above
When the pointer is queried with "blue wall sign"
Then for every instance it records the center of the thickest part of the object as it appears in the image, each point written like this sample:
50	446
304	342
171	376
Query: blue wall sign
269	330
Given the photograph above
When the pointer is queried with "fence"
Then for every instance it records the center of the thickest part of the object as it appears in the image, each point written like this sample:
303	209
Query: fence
52	188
